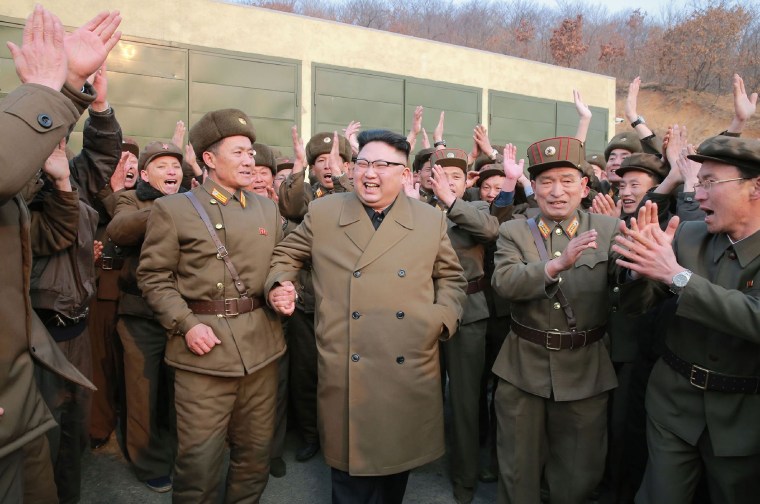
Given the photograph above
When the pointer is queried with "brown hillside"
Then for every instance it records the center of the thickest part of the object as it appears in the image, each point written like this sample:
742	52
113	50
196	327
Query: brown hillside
704	114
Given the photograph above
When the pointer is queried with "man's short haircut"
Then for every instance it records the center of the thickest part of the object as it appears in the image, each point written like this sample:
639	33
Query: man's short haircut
395	140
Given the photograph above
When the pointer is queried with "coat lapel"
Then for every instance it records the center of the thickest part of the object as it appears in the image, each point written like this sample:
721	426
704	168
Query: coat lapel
394	228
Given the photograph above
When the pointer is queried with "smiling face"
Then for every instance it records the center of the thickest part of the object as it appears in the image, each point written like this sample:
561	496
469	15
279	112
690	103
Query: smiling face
633	186
559	192
231	162
729	206
262	180
613	163
378	188
131	177
490	188
164	174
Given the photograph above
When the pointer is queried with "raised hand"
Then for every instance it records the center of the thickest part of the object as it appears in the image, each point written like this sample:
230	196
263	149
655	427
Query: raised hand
744	106
119	176
425	139
299	153
580	107
411	189
441	187
335	162
88	46
41	59
438	132
57	167
351	132
178	138
631	101
604	204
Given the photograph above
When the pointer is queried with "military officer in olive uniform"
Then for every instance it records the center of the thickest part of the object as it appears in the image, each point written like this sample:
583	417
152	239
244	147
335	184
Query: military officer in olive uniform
703	397
204	281
470	228
554	368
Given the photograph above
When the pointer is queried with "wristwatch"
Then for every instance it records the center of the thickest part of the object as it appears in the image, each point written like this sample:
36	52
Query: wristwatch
439	143
679	281
639	120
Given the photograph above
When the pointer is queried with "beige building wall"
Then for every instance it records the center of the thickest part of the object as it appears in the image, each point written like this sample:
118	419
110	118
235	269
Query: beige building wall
261	31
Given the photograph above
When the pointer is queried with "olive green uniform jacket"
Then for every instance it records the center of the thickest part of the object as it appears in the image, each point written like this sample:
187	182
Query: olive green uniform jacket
179	262
33	119
382	299
716	325
565	375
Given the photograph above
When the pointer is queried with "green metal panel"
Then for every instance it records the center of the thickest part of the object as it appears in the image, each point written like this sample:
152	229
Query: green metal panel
567	125
8	78
461	104
265	90
342	96
520	120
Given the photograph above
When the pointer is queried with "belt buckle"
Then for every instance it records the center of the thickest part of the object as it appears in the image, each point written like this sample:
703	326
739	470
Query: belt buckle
221	252
229	311
549	335
580	333
692	376
106	263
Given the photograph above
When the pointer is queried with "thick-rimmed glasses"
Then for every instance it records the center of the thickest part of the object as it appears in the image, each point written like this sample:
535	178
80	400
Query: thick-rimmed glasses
707	184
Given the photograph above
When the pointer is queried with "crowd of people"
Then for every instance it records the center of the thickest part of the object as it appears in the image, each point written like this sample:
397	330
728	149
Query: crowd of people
591	320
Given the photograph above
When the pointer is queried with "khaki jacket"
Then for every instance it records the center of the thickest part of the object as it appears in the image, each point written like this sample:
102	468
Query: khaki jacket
715	324
565	375
25	144
295	194
382	299
179	262
470	228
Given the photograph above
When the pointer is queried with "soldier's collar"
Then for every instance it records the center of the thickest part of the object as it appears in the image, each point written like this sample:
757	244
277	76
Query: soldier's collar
746	249
568	226
221	194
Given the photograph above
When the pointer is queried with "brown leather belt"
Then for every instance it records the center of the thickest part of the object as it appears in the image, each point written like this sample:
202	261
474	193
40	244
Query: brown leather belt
705	379
231	307
558	340
110	263
478	285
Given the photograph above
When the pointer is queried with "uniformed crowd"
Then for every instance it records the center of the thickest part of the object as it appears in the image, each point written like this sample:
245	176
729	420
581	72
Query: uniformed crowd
591	320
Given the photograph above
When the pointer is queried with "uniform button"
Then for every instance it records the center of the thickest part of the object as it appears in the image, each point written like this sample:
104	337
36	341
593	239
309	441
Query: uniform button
558	231
557	253
355	357
614	309
732	255
212	201
117	249
401	273
712	357
218	226
400	359
616	289
356	315
357	274
220	286
399	315
44	120
557	306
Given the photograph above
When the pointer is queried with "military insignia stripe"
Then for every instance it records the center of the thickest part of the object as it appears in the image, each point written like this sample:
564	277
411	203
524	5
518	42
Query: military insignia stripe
219	196
545	231
572	228
242	199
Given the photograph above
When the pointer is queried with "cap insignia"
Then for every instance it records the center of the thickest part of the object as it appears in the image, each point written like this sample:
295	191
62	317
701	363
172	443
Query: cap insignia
450	155
242	121
550	151
326	139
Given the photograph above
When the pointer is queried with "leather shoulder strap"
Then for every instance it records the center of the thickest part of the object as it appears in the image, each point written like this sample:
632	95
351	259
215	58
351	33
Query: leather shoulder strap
544	255
220	248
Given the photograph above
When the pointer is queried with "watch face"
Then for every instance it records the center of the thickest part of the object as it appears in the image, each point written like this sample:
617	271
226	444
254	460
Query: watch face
681	279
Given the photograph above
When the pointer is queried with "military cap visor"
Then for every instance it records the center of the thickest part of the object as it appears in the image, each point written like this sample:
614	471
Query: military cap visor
740	152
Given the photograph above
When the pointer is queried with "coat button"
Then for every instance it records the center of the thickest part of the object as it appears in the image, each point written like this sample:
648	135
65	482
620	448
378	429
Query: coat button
220	286
400	359
558	231
557	306
218	226
355	357
732	255
616	289
212	201
401	273
357	274
44	120
399	315
356	315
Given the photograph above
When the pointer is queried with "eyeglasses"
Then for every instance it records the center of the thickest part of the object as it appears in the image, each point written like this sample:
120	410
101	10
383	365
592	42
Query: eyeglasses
707	184
379	164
